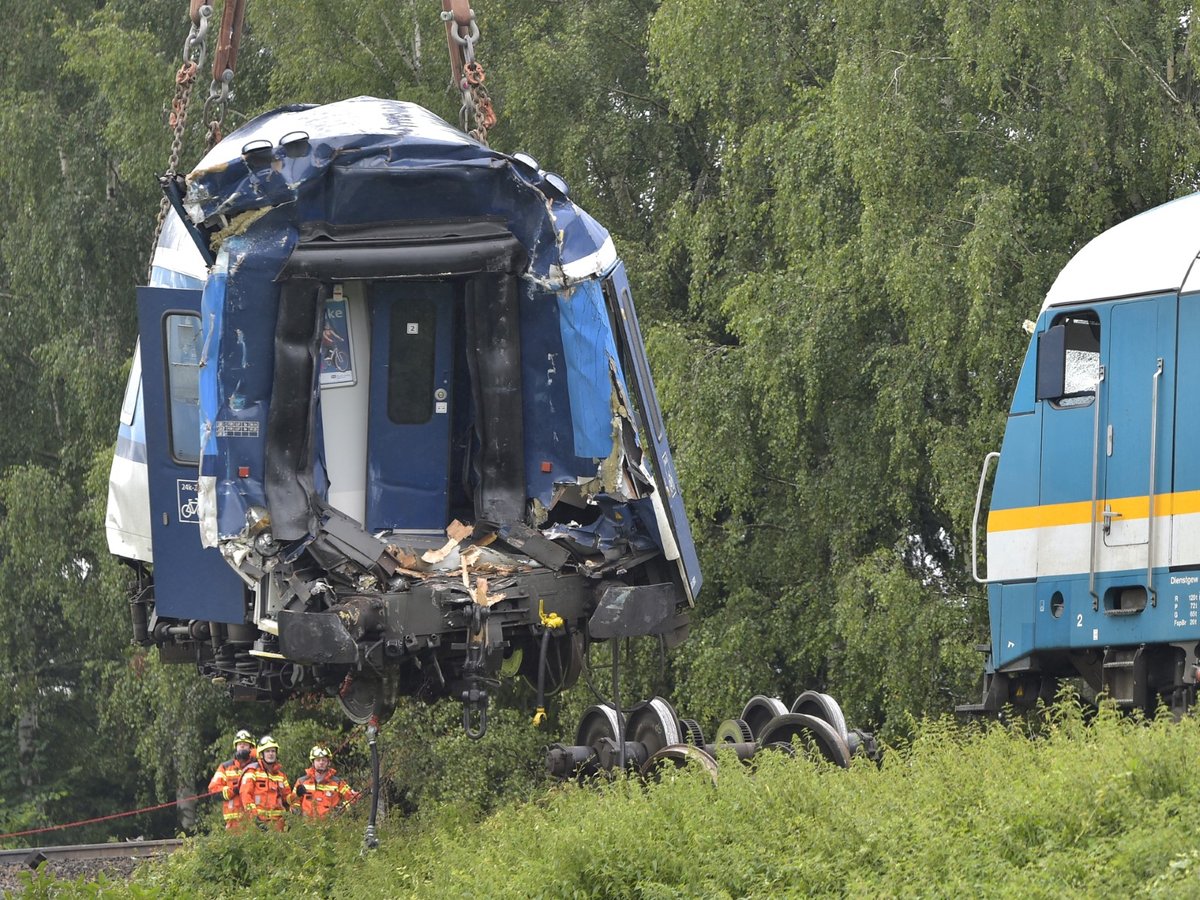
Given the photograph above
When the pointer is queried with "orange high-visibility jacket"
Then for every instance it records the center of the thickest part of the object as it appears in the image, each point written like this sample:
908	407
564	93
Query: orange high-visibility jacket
265	792
321	796
228	780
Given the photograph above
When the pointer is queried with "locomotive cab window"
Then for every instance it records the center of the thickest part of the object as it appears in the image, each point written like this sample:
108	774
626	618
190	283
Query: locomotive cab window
183	346
1068	368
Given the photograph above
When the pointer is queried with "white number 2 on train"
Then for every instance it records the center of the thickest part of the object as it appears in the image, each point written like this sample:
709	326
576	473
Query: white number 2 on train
1079	620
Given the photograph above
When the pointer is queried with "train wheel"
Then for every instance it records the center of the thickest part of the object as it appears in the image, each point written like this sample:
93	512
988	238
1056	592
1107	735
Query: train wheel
760	710
363	699
823	707
692	732
812	732
596	722
598	731
678	756
654	725
734	731
564	662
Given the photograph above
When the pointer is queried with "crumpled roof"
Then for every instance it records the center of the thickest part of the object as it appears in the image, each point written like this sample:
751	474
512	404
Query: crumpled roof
286	156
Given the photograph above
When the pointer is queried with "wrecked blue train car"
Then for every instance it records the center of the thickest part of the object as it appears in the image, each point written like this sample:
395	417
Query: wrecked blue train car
390	428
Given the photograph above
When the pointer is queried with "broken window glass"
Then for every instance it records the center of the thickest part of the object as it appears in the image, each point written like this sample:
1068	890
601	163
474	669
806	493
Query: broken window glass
1082	362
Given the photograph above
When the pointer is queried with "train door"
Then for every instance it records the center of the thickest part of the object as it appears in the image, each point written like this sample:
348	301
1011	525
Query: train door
1105	374
409	435
1138	412
190	580
1185	531
345	381
1068	373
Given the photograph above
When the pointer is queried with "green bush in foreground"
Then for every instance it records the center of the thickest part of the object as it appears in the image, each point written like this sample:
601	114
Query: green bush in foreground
1066	809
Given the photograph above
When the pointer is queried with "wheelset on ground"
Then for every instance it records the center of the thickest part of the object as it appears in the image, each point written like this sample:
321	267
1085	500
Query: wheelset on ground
651	737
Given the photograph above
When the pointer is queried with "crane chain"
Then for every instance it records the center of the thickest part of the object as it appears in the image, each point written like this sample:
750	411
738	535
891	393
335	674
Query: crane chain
195	48
477	109
224	63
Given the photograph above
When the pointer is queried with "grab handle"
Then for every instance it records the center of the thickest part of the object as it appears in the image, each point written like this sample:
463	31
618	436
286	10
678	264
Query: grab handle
987	461
1153	463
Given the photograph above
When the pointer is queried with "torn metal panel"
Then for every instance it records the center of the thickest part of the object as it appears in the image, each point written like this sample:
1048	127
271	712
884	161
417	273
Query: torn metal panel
589	353
290	454
618	529
666	482
494	359
531	543
624	611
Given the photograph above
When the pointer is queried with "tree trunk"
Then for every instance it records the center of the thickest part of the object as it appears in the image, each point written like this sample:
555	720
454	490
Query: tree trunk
185	796
27	724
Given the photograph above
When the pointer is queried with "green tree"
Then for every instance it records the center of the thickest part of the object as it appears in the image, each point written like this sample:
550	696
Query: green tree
79	126
898	185
836	216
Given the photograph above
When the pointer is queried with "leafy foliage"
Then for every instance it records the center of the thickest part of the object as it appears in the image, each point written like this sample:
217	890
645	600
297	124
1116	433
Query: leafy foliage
836	217
997	811
896	186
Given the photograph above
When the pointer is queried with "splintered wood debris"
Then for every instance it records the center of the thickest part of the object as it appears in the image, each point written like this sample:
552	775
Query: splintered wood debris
481	596
456	531
408	563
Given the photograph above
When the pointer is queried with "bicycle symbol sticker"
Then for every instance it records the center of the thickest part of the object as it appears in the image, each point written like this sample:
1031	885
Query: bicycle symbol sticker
337	363
188	494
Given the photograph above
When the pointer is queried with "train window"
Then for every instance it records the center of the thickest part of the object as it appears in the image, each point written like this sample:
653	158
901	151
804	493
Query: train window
1069	361
183	346
411	359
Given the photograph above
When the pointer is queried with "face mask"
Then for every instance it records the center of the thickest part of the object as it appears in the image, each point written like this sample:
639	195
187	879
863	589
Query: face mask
242	755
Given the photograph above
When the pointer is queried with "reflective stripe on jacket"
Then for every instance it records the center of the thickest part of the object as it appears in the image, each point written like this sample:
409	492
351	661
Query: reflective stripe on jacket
320	797
229	775
265	793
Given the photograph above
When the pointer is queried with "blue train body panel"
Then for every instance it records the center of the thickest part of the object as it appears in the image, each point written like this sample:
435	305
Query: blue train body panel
1094	521
198	584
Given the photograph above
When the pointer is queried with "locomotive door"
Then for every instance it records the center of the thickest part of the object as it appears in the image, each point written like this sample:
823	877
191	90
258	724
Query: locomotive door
1135	431
190	581
408	438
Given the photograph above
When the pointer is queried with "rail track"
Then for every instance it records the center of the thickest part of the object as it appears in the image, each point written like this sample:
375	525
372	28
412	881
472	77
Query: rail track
76	862
31	856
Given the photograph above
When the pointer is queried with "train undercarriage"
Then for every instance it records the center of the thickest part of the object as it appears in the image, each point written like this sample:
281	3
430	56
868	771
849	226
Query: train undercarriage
1135	679
366	621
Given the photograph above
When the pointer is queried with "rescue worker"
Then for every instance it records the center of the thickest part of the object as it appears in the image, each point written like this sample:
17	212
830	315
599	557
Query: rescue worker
320	789
228	779
265	790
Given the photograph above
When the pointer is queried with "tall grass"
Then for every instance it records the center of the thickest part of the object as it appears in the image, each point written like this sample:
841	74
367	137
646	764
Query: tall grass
1063	809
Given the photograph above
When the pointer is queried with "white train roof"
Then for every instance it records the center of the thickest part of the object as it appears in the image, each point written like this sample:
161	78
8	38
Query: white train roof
1153	252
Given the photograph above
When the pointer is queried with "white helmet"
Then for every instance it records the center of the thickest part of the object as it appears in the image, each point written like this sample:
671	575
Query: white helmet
267	743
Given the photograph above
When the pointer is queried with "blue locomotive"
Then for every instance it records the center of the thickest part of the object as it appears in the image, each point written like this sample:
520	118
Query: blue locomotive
390	428
1093	530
